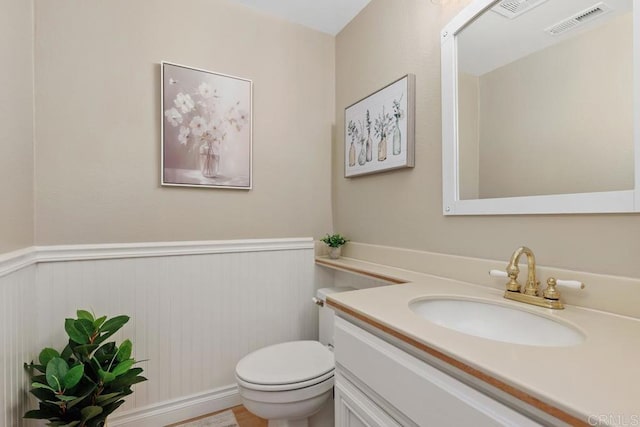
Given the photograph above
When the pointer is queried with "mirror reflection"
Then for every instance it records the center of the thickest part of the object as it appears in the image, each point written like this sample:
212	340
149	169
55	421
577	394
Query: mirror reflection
545	99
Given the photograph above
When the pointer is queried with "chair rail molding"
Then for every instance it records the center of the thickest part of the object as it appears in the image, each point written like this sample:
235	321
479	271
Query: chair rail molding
12	261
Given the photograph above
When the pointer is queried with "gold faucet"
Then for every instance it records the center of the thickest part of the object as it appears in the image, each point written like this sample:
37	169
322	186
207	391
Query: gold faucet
550	297
531	287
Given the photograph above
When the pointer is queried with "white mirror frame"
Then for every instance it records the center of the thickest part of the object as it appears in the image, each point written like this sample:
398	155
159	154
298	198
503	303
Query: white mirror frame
600	202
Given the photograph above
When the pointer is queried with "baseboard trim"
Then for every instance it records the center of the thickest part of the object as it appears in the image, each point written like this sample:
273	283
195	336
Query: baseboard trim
16	260
173	411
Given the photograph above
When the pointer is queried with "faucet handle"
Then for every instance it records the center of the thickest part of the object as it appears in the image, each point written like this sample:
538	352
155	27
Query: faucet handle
552	293
573	284
498	273
513	284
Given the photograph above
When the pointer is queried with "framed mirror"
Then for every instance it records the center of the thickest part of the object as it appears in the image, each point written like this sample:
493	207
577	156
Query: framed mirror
541	107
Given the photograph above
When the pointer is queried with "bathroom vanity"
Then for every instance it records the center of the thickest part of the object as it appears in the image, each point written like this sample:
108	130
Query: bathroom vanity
396	367
379	384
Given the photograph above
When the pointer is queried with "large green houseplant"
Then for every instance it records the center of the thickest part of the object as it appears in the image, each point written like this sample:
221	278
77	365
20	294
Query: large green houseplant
87	381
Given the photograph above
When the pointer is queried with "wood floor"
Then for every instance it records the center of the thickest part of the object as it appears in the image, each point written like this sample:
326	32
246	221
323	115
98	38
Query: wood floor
244	418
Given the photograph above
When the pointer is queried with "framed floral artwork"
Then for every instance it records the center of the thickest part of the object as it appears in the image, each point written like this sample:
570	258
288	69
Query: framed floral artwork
206	128
379	132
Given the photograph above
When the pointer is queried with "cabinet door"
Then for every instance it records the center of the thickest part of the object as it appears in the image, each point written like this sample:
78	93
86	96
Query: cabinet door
354	409
420	392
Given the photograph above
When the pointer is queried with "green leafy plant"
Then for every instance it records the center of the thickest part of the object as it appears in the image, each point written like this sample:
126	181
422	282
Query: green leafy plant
334	240
87	381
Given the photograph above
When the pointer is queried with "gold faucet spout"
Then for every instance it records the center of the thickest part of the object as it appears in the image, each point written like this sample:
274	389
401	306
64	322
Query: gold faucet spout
531	288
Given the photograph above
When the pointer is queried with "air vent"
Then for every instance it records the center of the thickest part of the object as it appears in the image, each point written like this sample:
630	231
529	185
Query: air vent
579	18
512	8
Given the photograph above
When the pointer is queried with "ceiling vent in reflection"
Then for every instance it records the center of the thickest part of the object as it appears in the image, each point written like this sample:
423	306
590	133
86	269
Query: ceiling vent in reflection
513	8
579	18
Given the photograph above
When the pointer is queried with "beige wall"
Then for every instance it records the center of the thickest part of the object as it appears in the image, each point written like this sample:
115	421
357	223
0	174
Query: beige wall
469	136
404	208
16	125
98	121
577	95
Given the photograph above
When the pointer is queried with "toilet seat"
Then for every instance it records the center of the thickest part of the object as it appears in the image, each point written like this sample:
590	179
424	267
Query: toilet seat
285	387
286	366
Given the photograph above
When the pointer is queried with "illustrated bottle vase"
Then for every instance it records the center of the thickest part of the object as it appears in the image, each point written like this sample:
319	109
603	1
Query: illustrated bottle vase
397	140
362	157
352	155
369	155
209	160
382	149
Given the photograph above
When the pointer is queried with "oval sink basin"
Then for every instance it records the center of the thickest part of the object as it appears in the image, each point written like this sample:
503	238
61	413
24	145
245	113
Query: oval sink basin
496	322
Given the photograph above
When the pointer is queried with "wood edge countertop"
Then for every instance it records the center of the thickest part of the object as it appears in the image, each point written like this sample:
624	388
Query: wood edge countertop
374	271
482	376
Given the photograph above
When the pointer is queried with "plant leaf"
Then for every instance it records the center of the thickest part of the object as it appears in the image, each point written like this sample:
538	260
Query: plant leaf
112	325
105	376
71	424
112	407
74	334
73	376
84	314
85	349
43	394
106	352
85	394
99	321
111	400
107	396
124	352
127	381
57	368
42	379
66	398
89	412
39	385
46	355
36	414
67	352
123	367
46	411
85	327
40	368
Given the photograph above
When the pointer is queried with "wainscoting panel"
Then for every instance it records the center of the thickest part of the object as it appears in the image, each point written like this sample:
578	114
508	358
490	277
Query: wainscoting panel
17	332
192	316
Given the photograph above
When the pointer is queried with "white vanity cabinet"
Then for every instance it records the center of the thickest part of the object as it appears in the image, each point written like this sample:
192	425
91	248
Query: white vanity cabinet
380	385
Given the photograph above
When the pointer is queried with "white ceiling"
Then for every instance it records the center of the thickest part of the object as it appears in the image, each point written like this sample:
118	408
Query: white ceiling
492	40
328	16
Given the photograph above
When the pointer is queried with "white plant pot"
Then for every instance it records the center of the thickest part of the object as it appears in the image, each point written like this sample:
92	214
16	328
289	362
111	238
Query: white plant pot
334	253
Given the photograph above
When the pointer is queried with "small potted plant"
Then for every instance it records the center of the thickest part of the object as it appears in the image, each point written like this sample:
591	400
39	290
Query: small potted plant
88	380
335	242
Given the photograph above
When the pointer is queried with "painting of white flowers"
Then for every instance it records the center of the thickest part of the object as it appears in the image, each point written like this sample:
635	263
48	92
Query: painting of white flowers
206	128
380	129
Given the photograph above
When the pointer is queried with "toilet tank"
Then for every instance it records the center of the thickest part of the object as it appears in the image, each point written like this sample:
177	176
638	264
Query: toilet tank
326	315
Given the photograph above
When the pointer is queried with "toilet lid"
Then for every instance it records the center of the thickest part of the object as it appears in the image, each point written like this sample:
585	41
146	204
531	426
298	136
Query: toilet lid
286	363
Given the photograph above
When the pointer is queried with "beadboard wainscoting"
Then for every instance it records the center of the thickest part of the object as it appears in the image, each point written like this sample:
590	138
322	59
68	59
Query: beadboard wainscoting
193	315
17	341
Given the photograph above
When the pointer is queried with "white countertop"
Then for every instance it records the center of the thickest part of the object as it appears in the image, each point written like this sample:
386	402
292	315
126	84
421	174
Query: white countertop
600	376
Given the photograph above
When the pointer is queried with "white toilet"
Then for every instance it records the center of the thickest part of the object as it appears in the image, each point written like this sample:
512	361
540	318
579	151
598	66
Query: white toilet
289	382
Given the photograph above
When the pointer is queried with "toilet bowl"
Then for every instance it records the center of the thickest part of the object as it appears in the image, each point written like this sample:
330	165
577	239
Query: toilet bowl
287	383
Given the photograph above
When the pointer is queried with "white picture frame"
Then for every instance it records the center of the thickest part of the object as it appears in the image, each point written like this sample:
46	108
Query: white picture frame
379	130
207	128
